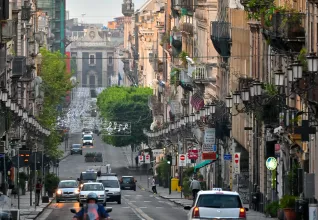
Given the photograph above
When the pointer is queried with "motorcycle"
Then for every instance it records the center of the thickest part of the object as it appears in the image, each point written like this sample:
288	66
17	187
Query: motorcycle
92	212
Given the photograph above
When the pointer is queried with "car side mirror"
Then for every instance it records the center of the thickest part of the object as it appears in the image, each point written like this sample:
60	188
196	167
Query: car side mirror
246	209
78	179
109	209
73	211
187	208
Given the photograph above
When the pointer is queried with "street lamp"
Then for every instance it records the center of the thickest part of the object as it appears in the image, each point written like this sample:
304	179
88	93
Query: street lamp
8	103
236	98
20	114
192	118
12	106
202	111
197	116
257	85
279	78
229	101
312	62
212	108
297	70
245	95
4	95
25	115
290	74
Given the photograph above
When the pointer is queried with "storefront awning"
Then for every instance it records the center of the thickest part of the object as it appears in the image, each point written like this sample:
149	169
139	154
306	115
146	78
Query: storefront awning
203	164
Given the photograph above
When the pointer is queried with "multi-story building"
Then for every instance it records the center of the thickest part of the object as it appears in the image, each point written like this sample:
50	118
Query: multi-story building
237	75
23	32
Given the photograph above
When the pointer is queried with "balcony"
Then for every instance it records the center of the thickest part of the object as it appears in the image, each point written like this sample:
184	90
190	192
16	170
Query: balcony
200	75
160	24
155	105
128	9
188	5
186	27
177	41
19	67
221	37
255	6
8	30
286	31
176	4
313	1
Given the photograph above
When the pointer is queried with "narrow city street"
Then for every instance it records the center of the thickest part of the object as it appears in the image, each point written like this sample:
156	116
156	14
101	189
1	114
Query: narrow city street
137	204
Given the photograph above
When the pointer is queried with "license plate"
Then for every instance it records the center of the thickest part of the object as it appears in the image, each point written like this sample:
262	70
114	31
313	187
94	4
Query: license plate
127	187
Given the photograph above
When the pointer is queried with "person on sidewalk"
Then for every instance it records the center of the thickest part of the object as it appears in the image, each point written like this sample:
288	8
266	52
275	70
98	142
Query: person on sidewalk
195	186
153	184
38	188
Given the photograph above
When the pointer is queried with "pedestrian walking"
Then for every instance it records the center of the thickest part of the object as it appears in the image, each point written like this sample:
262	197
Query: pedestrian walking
38	188
195	186
154	187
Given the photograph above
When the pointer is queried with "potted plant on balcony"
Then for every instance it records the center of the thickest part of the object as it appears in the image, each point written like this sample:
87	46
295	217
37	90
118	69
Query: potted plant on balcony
287	203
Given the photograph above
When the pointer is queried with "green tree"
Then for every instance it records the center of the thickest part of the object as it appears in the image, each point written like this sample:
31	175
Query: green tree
56	83
126	104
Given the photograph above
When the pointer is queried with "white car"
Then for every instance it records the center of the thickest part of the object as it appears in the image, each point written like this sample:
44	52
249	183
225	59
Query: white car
95	187
112	186
88	140
217	204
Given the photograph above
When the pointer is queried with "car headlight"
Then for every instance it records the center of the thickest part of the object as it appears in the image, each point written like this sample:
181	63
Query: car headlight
59	192
101	196
81	185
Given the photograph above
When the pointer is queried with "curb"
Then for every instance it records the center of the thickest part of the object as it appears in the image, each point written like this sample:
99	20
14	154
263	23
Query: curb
44	208
62	158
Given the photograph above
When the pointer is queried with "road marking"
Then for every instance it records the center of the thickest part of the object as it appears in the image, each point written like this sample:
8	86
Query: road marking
132	201
147	201
127	195
45	214
125	207
139	195
159	207
138	211
143	207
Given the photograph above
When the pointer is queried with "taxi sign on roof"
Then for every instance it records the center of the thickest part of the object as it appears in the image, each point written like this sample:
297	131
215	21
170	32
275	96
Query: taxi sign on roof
217	189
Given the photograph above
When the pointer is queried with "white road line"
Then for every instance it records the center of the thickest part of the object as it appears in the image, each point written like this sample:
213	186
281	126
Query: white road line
132	201
125	207
138	211
143	207
159	207
158	198
147	201
138	195
45	214
127	195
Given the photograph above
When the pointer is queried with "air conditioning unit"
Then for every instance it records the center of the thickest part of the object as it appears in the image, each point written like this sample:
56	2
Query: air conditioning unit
19	66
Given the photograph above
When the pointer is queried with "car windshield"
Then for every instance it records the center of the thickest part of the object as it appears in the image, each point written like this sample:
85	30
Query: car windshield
109	183
87	137
92	187
70	184
76	146
219	201
128	179
89	176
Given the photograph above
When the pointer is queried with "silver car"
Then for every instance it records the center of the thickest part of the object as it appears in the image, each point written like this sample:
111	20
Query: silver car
67	190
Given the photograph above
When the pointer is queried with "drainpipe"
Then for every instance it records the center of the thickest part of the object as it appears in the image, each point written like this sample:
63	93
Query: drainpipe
136	51
62	27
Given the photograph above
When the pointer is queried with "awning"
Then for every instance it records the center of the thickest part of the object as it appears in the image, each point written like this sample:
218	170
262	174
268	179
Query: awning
203	164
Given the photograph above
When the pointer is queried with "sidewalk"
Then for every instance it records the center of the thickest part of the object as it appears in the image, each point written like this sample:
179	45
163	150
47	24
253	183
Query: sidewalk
27	211
176	198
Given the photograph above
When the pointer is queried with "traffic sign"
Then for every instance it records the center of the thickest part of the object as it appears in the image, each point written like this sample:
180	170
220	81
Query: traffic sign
140	158
182	160
193	154
1	155
147	159
236	164
227	157
214	148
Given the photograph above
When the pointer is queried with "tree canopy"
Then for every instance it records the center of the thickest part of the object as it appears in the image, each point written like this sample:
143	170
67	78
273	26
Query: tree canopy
126	104
56	82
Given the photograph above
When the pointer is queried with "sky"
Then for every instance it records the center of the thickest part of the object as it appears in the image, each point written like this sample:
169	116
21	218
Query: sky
97	11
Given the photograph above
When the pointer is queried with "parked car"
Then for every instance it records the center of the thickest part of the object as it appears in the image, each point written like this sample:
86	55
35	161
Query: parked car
217	204
111	185
76	149
128	182
67	190
95	187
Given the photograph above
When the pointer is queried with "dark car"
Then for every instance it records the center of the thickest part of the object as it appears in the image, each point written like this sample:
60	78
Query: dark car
76	149
128	182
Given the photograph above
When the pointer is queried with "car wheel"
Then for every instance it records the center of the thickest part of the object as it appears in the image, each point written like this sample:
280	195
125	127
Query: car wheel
81	204
119	201
71	153
135	189
57	201
104	204
81	153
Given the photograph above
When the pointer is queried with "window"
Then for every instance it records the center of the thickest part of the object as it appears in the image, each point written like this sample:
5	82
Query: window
219	201
110	60
109	183
87	138
91	59
70	184
93	187
89	176
76	146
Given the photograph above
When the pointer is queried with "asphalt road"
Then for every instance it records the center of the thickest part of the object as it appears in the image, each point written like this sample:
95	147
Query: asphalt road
135	205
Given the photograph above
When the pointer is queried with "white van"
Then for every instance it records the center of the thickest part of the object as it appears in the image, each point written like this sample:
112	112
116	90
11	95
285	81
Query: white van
88	140
111	185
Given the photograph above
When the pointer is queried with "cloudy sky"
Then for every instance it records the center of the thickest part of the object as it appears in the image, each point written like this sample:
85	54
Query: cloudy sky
97	11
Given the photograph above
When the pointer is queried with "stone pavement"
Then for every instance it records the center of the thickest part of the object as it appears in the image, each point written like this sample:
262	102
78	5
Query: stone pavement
27	211
176	198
